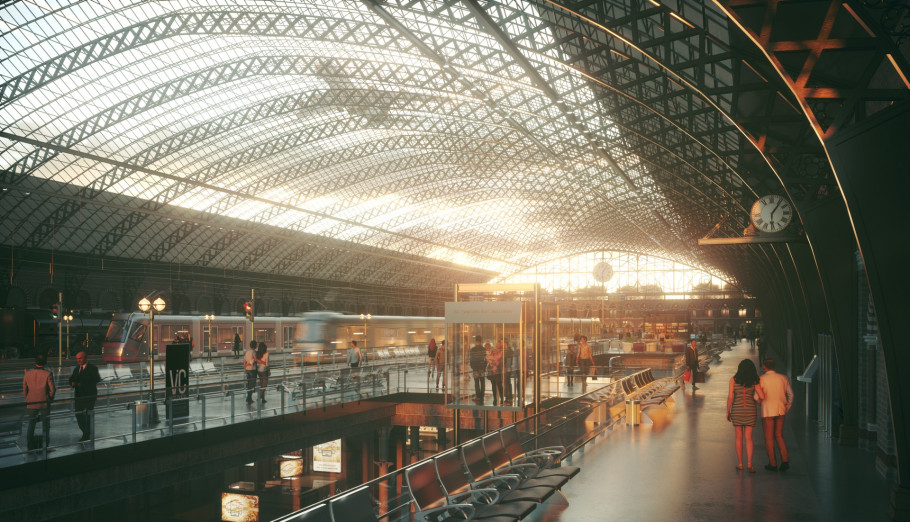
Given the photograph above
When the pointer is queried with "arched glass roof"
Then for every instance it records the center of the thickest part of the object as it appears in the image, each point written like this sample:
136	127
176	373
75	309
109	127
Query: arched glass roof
393	142
619	272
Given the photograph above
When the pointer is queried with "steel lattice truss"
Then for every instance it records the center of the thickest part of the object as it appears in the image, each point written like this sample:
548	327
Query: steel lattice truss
423	143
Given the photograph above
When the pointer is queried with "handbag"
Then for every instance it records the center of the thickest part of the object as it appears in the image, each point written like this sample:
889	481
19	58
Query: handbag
687	375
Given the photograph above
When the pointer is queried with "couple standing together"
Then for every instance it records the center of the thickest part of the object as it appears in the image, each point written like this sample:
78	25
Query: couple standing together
256	365
774	393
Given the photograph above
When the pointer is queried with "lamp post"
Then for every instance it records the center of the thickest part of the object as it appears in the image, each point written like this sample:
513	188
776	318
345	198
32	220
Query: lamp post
209	318
365	318
68	318
152	307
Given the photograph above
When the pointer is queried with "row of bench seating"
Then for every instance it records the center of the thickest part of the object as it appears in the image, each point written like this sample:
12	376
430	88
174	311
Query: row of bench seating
648	390
492	479
118	373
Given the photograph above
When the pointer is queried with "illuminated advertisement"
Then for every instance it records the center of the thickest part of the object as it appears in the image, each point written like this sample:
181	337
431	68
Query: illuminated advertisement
327	457
291	468
236	507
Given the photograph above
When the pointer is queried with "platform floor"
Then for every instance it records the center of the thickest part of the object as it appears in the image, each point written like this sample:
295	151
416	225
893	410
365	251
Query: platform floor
681	467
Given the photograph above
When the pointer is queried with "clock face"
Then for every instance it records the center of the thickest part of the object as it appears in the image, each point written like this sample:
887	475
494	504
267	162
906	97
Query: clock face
771	213
603	272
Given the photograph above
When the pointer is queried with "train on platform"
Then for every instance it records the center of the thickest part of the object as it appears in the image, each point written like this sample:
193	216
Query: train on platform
26	332
312	335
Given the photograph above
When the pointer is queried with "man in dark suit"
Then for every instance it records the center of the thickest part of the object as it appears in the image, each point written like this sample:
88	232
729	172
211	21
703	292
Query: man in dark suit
84	380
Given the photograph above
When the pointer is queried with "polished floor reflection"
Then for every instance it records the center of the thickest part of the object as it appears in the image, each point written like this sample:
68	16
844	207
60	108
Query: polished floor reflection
680	465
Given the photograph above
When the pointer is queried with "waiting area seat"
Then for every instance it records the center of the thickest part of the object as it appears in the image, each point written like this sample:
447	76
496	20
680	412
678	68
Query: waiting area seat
649	391
548	460
433	502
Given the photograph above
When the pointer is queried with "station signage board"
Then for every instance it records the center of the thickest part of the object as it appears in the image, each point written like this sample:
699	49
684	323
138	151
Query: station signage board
483	312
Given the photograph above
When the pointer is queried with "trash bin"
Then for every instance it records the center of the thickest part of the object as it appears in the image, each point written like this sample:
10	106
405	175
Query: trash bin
633	412
142	414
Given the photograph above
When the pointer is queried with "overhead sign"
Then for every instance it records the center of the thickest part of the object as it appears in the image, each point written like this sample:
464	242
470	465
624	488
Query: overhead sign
490	312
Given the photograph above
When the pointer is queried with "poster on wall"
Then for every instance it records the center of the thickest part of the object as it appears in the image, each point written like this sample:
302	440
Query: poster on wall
236	507
291	468
327	457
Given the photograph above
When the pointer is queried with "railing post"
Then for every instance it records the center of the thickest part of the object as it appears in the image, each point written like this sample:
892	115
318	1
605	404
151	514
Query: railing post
304	391
91	427
168	406
231	395
203	410
133	407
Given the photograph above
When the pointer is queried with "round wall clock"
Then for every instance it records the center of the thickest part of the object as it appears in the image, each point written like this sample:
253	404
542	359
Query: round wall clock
771	213
603	271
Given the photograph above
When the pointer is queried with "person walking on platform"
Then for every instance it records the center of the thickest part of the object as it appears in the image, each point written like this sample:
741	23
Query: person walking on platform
477	358
692	363
585	361
441	364
354	355
778	398
571	363
84	381
741	409
249	366
238	345
38	389
508	369
262	369
494	371
431	358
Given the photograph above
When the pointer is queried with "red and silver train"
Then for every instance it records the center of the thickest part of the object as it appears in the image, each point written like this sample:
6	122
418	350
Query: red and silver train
312	334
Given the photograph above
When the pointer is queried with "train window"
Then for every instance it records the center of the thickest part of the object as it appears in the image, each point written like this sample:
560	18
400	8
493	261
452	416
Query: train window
265	335
172	332
138	332
224	335
115	332
210	340
287	337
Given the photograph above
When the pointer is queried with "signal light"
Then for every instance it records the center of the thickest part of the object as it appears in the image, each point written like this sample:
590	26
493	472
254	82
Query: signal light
248	310
55	311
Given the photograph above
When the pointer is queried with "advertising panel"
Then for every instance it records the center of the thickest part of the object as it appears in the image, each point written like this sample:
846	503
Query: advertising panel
177	373
327	457
237	507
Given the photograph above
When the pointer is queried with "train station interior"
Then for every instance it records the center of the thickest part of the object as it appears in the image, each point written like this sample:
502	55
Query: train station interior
626	201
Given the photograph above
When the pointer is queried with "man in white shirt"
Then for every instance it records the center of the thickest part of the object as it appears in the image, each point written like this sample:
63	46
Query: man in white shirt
777	402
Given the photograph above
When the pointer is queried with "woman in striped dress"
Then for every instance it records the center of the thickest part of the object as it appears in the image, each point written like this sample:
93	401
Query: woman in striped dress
741	408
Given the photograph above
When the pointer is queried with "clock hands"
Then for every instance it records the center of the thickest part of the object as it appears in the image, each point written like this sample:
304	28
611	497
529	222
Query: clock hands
776	207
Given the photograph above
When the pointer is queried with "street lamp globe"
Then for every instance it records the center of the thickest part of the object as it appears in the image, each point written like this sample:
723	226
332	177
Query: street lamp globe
159	304
144	304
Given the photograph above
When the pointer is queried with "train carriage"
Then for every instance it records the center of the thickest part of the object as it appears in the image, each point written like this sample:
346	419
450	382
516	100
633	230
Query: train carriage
127	336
